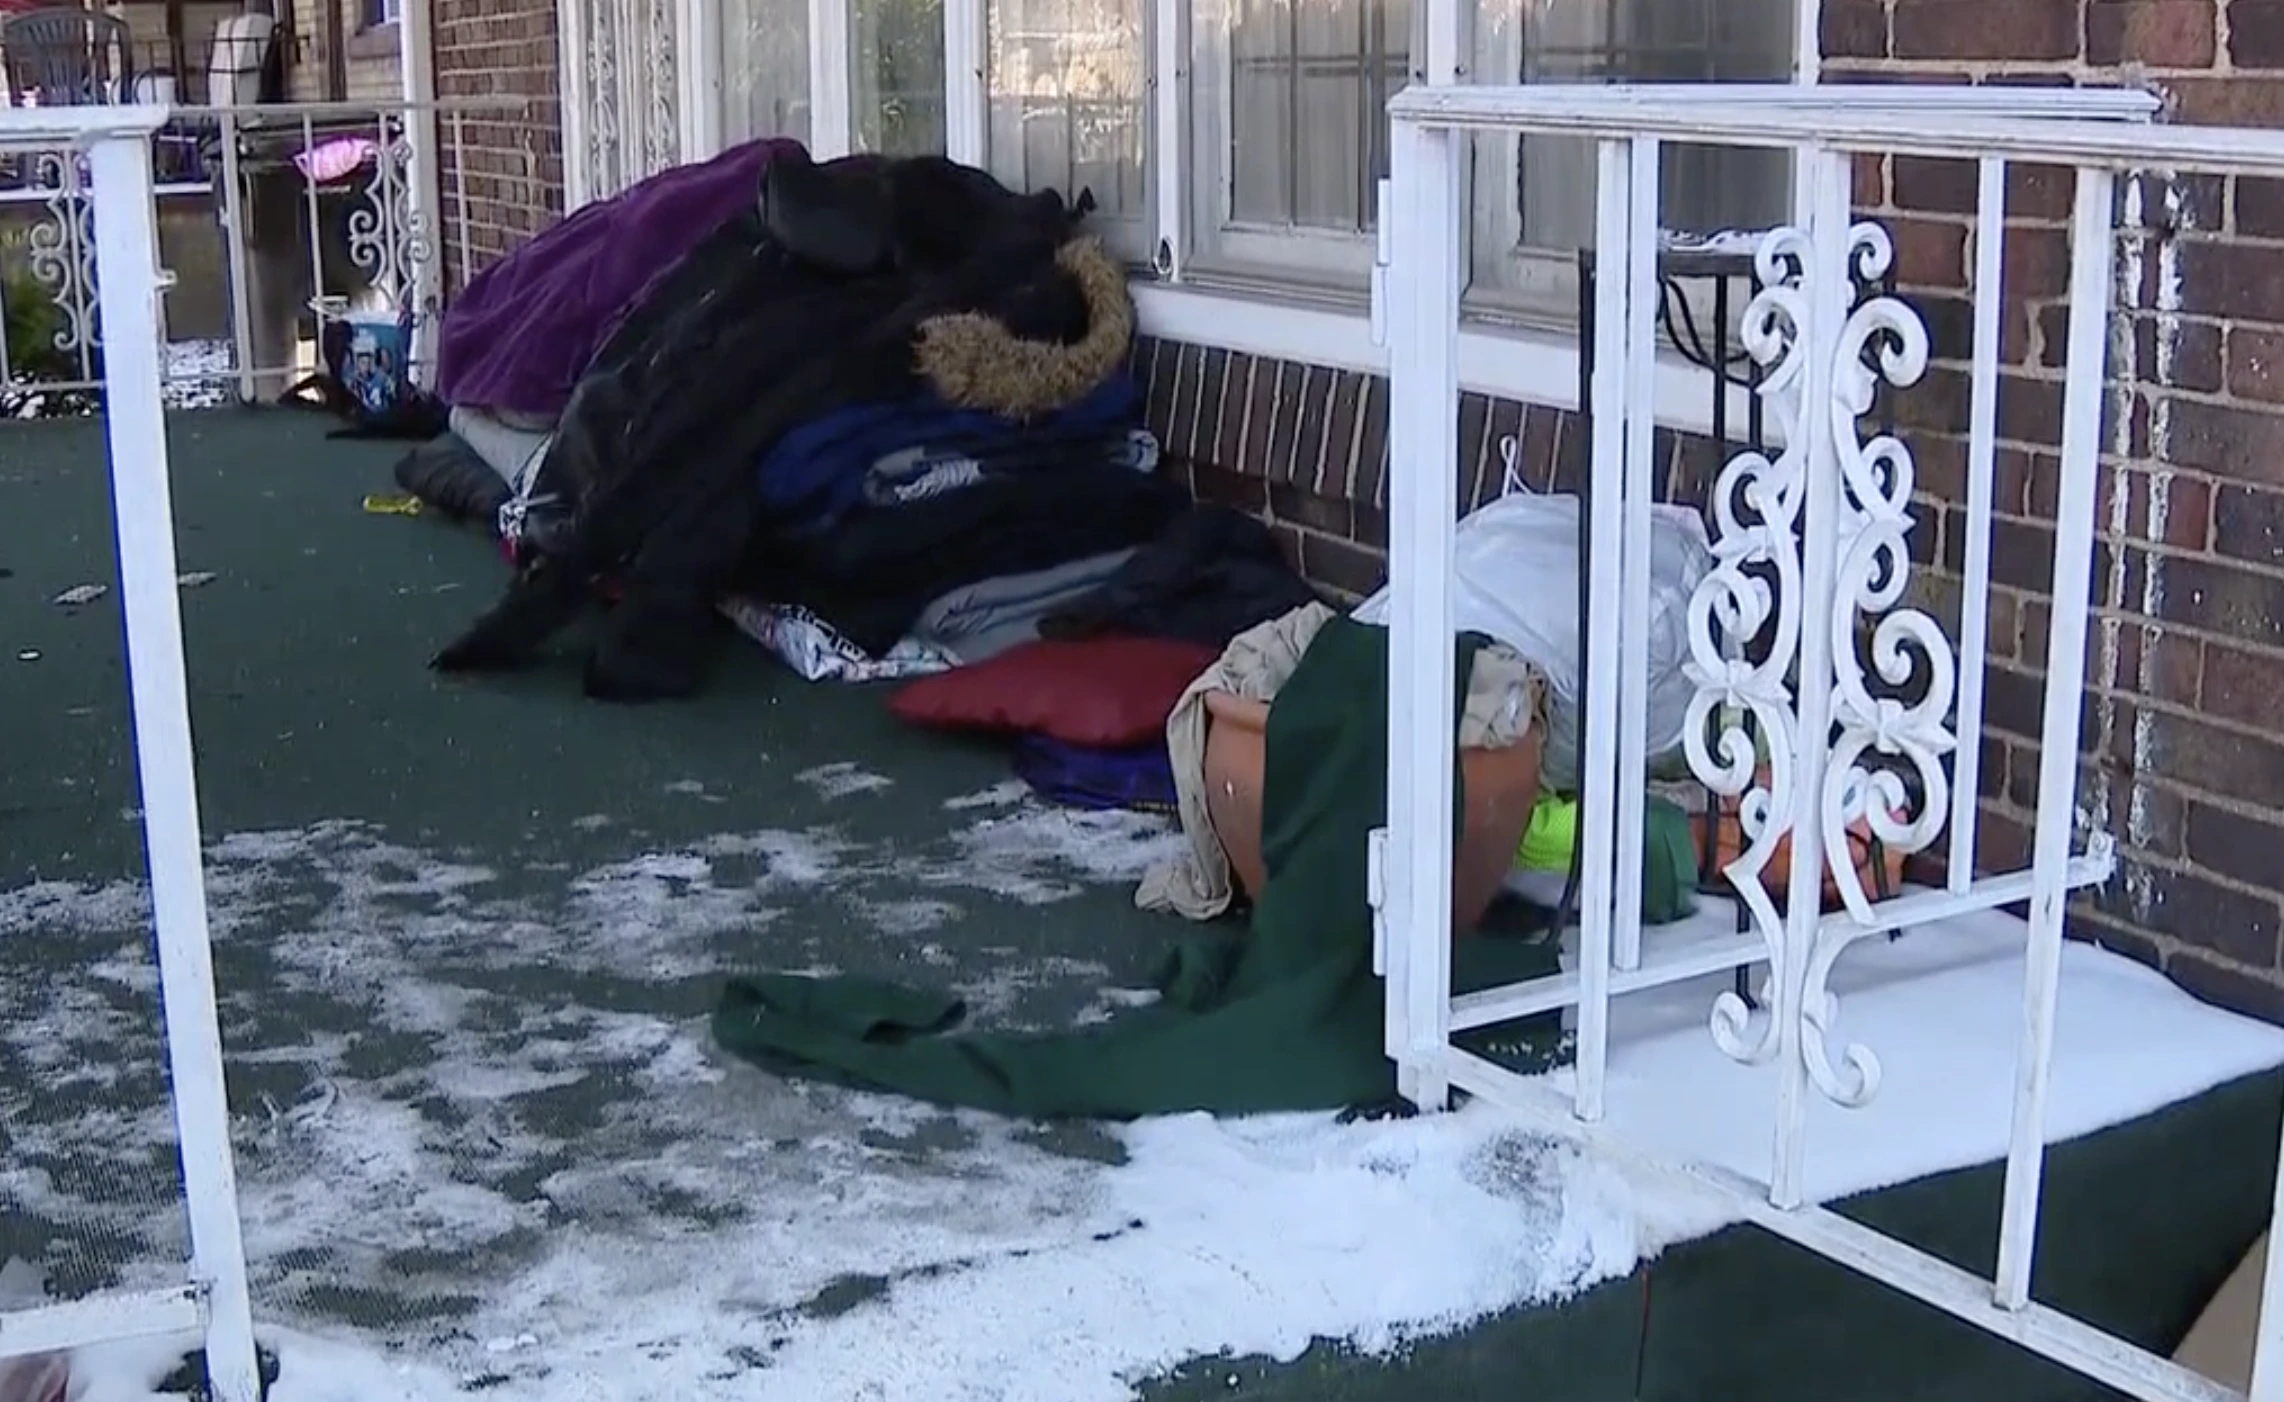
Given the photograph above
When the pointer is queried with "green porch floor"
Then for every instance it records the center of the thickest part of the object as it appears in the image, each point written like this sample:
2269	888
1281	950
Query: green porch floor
466	934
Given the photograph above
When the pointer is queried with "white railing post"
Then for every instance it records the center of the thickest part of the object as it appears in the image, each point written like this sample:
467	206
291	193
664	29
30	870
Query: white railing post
464	236
1380	884
575	98
1639	490
2091	258
1982	466
1423	506
313	226
1605	508
1169	90
424	199
127	282
1859	706
235	235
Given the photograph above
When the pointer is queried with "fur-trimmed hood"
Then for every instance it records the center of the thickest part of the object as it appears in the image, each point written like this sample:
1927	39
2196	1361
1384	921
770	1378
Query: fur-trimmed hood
976	362
864	213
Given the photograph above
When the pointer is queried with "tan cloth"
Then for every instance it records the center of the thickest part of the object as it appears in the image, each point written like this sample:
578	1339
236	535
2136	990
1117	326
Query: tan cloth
1504	698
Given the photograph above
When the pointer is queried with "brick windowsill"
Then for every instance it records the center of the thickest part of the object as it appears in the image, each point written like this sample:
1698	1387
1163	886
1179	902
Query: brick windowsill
379	41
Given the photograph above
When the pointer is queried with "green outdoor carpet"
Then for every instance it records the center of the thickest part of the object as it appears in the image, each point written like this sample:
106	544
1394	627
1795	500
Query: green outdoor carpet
1288	1016
510	1033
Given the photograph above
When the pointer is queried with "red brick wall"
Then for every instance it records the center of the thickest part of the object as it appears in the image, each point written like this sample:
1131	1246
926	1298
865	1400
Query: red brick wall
511	161
2185	680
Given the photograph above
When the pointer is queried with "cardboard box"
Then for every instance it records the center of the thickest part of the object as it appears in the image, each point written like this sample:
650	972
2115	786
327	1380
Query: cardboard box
2219	1345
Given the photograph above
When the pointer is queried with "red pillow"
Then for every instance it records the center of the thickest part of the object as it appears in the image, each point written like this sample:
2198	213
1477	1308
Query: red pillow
1102	693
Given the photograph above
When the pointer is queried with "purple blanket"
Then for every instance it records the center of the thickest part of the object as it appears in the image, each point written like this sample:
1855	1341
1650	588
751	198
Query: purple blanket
520	335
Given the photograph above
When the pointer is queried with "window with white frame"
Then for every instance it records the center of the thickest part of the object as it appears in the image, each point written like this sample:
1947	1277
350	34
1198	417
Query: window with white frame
1068	107
1288	132
765	69
1532	198
1283	137
895	74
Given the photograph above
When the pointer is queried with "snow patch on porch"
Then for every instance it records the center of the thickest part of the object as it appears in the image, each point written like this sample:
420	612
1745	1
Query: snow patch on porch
616	1213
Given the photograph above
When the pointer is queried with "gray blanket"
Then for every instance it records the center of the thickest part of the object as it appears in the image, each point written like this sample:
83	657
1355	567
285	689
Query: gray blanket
510	448
988	617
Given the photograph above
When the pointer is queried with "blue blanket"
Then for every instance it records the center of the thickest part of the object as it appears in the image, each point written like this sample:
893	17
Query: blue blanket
1141	778
816	474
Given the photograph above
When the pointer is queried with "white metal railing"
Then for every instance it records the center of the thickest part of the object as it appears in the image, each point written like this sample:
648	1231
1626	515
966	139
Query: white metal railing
125	257
1811	545
304	198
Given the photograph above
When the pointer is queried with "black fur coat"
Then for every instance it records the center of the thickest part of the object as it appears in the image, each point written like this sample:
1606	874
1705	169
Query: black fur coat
849	282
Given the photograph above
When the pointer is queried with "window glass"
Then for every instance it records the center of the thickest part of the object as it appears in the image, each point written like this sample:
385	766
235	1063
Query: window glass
896	76
1069	107
1533	204
765	69
1289	134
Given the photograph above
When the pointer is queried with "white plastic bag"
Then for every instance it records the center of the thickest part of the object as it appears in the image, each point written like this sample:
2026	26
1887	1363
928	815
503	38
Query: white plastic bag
1515	562
817	651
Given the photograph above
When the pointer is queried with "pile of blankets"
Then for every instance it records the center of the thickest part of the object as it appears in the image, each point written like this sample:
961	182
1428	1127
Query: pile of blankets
875	412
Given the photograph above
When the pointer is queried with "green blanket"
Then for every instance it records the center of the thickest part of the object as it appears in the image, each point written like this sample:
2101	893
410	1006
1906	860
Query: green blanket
1669	863
1285	1017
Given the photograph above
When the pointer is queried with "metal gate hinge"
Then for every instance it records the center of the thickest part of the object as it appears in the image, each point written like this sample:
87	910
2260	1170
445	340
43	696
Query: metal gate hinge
1376	895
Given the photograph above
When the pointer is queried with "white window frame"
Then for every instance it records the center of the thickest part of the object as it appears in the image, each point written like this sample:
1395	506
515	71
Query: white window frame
1313	317
1540	288
1270	256
967	30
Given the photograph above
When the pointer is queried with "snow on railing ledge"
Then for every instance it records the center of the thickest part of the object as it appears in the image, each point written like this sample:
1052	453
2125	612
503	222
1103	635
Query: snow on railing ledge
1810	554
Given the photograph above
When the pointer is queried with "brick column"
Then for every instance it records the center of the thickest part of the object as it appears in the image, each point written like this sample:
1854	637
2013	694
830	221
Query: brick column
512	163
2184	732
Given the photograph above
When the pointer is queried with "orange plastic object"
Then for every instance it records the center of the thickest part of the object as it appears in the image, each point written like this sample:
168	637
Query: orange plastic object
1875	862
1501	786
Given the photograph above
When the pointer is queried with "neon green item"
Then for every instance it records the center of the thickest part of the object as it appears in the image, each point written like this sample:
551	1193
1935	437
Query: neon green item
1669	853
1551	837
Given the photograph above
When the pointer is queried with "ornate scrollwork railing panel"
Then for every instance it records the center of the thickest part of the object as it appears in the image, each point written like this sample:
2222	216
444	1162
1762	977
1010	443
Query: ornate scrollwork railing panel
604	154
1744	620
662	114
1895	672
60	253
1883	768
389	239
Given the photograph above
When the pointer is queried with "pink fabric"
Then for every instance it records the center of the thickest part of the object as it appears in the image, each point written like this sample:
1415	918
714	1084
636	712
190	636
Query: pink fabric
332	159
